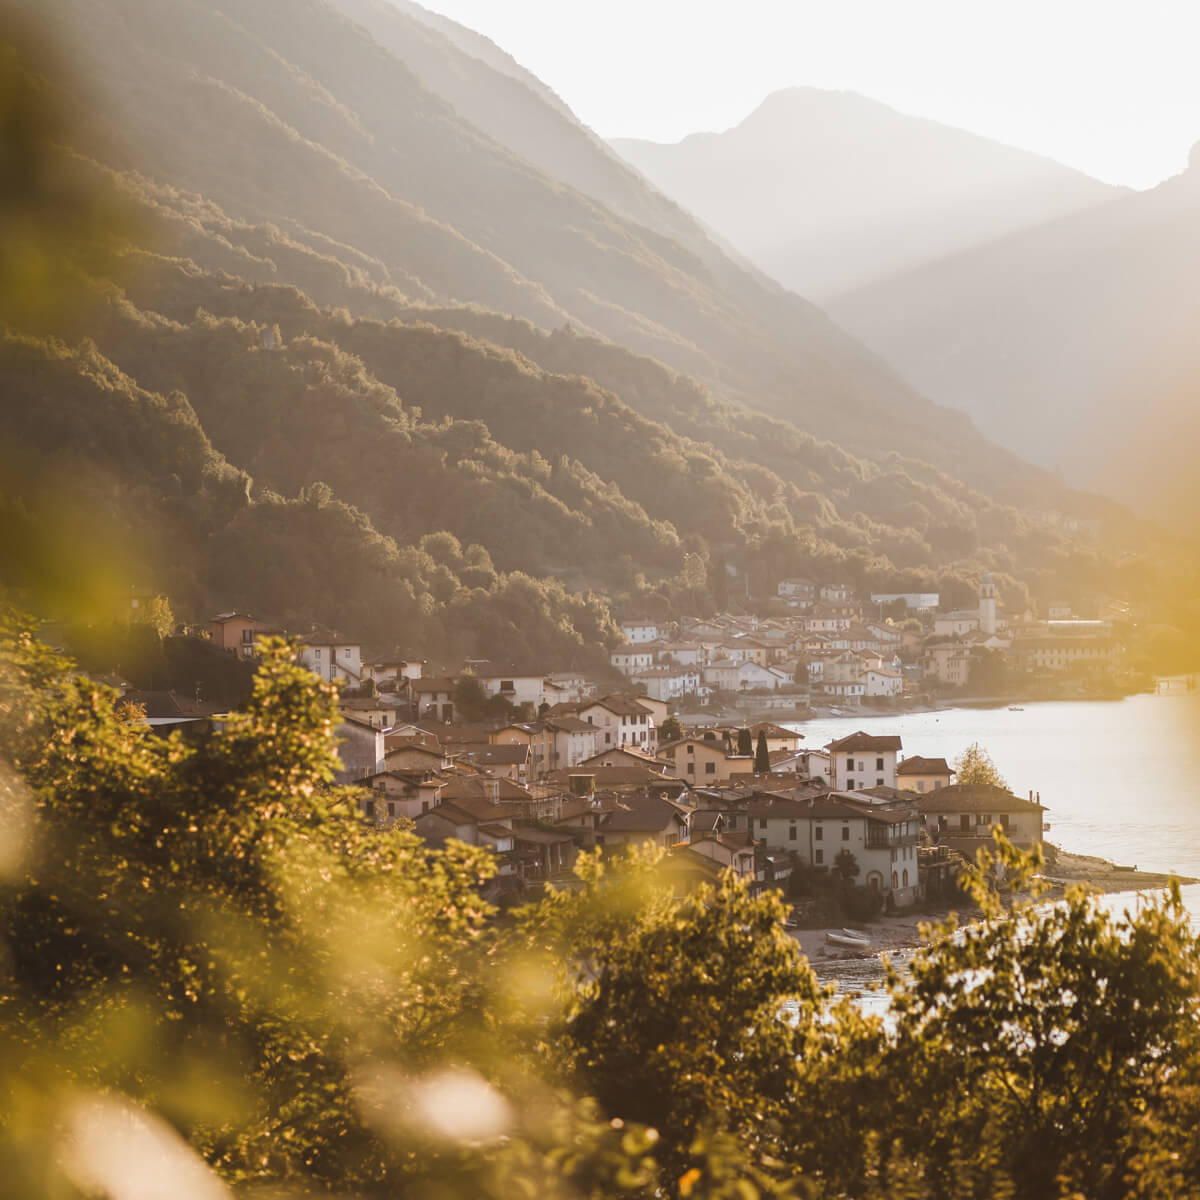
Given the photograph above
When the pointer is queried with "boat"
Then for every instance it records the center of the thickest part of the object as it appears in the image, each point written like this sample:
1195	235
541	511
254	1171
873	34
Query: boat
1015	708
850	943
856	933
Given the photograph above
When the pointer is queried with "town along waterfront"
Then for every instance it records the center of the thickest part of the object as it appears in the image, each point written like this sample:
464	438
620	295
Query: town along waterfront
1120	778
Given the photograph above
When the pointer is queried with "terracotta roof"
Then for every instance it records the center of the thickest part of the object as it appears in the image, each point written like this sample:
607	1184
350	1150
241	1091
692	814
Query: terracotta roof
867	741
650	813
503	755
973	797
433	684
916	765
621	706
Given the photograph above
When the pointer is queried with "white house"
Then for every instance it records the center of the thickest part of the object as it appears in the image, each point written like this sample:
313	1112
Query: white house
881	682
388	672
864	760
630	658
573	741
853	689
882	841
667	683
335	659
640	629
517	685
837	593
620	721
799	593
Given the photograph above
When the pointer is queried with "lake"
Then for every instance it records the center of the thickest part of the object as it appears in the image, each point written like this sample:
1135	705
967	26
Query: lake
1119	778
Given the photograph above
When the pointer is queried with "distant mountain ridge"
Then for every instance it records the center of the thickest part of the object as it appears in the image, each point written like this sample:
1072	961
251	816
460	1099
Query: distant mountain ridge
828	191
1074	343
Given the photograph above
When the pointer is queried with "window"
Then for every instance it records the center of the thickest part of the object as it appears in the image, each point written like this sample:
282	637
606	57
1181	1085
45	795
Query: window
391	808
247	635
791	833
965	823
849	785
691	748
607	739
316	654
710	768
849	764
845	833
879	764
762	822
691	768
369	807
879	781
819	857
424	806
921	785
346	653
819	833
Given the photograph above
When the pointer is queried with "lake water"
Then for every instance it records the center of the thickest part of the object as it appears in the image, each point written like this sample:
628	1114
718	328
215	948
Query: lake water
1119	778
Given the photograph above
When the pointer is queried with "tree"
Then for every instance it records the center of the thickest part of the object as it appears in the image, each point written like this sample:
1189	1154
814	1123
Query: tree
975	765
745	744
846	866
762	756
670	730
470	699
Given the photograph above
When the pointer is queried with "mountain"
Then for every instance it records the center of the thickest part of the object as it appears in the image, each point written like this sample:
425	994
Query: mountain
387	372
828	191
1072	343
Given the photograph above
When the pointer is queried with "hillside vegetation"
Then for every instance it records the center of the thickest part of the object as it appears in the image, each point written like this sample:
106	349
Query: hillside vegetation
285	402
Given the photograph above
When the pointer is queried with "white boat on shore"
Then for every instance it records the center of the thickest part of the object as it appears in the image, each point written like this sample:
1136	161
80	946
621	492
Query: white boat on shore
848	941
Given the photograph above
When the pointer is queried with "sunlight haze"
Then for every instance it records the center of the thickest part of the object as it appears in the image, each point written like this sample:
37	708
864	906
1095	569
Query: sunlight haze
1110	89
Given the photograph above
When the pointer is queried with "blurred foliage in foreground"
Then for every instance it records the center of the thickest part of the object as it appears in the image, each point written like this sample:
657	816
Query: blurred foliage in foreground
216	979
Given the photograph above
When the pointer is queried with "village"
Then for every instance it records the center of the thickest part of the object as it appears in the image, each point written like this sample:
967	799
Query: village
536	767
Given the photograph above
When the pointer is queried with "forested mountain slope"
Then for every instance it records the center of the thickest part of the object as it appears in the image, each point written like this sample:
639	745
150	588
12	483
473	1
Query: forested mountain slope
285	405
291	113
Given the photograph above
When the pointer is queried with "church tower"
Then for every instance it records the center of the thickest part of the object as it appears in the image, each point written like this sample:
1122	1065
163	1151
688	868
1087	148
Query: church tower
987	605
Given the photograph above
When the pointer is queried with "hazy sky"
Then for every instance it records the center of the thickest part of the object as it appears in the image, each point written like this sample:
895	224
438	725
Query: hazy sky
1110	88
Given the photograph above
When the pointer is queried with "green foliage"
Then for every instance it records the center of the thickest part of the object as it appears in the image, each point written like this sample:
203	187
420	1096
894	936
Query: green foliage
670	730
975	765
762	756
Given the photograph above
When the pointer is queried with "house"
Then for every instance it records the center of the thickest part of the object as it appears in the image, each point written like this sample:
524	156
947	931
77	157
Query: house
620	721
403	794
729	676
360	748
797	592
836	593
851	690
433	697
517	685
537	736
332	657
649	818
824	618
947	663
568	688
864	760
640	629
963	815
913	601
881	682
408	752
391	673
238	632
478	823
882	841
917	774
573	740
508	761
735	851
778	738
1055	652
955	624
379	712
699	760
625	756
619	781
630	658
684	654
666	683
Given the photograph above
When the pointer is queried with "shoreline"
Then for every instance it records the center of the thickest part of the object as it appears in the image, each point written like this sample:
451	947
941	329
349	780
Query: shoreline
900	933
